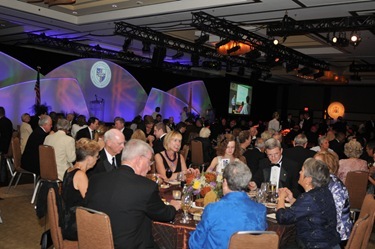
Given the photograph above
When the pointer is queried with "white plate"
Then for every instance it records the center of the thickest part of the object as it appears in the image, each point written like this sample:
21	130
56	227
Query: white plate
194	206
270	205
164	186
174	182
252	194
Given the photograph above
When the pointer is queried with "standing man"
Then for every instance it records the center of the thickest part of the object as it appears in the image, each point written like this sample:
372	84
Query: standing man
160	130
130	199
89	131
6	132
110	155
64	146
276	169
120	125
299	153
30	156
255	154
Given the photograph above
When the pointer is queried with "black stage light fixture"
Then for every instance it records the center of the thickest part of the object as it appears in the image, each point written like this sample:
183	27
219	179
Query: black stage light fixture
233	49
158	56
126	44
146	47
355	39
202	39
195	59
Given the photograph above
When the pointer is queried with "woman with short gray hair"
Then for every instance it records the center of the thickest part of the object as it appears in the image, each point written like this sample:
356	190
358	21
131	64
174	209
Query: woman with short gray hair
314	212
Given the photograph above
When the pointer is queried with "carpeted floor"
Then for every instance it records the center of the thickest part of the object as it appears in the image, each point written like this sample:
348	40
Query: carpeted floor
21	229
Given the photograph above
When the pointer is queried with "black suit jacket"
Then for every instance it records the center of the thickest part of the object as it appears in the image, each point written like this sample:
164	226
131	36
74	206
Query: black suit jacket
298	154
253	156
102	165
158	145
337	147
289	174
85	132
30	156
6	132
127	133
132	202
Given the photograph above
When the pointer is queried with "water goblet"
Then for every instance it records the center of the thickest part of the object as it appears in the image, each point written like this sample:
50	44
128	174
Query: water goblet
186	202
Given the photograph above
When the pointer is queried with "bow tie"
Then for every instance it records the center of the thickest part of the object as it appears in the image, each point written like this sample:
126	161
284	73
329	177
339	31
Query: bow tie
275	164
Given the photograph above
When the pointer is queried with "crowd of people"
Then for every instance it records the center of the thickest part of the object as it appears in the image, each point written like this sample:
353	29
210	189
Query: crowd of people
103	166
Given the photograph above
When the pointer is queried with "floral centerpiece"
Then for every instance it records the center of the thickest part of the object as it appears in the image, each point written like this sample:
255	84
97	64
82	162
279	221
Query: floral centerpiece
201	183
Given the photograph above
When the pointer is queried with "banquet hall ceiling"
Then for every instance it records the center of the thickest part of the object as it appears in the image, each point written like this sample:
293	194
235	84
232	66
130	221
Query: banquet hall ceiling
93	22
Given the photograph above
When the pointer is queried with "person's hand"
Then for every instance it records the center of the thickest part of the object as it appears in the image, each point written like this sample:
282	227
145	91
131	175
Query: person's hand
252	186
286	194
150	138
175	204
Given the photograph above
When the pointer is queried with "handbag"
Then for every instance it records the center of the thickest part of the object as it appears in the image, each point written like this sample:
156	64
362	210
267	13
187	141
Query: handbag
46	240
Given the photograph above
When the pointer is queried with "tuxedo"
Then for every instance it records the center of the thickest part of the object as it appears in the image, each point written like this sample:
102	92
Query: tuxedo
127	133
132	202
289	174
103	165
307	123
158	144
85	132
337	147
298	154
30	156
253	156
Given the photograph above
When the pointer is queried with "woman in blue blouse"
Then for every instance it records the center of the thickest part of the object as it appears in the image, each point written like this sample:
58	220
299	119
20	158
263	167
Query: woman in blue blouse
340	195
314	211
234	212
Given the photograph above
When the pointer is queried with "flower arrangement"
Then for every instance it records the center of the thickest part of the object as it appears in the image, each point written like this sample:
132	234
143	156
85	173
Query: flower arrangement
201	184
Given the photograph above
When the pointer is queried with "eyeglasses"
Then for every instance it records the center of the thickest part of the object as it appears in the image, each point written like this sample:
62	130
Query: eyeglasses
149	159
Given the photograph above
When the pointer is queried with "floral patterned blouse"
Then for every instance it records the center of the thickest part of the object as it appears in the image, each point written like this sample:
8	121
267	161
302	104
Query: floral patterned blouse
341	198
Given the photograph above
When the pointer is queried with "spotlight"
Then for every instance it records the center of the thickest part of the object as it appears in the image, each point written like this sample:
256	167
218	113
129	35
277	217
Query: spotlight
335	39
355	39
202	39
221	43
275	42
233	49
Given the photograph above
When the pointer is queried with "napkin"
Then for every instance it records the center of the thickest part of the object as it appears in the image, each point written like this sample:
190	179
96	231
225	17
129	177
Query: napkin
272	216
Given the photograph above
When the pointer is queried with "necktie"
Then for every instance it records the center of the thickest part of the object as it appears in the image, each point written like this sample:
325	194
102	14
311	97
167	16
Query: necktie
92	135
275	164
113	162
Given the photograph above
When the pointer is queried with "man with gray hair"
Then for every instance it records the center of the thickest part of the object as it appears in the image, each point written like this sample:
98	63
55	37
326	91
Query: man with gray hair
110	155
277	169
64	146
254	155
130	199
214	230
299	153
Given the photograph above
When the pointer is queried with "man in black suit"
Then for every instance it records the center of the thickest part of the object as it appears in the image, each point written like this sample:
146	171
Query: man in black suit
40	110
30	156
6	132
130	199
254	155
299	153
307	122
337	144
120	125
160	130
89	131
278	170
110	155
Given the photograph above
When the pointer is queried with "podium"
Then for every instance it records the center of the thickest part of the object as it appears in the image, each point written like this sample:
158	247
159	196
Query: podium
96	109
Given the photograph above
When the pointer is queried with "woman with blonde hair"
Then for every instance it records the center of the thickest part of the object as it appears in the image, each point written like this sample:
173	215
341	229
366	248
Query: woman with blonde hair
228	150
139	134
340	195
170	162
353	150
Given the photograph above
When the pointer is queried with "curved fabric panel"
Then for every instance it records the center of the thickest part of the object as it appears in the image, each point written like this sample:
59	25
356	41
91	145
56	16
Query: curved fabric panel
170	106
60	94
13	71
109	90
194	92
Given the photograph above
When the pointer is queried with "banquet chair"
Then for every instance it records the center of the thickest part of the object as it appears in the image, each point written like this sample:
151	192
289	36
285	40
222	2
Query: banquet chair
94	229
357	236
257	239
356	183
48	168
53	216
197	159
185	151
14	163
368	207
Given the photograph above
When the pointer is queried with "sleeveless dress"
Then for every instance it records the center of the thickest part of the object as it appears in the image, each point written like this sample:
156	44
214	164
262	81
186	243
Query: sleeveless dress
72	198
222	163
178	166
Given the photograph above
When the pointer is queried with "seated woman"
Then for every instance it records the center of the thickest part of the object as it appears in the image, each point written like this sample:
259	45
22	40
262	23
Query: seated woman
75	184
169	162
208	150
314	212
340	195
353	150
228	150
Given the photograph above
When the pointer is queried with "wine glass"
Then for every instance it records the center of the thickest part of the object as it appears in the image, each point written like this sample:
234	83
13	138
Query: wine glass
186	202
168	173
181	178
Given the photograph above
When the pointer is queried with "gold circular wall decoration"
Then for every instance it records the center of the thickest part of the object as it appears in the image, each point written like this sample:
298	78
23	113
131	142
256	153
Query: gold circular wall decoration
335	110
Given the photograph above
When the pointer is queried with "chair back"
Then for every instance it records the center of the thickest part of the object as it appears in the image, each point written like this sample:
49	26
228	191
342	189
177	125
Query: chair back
257	239
53	217
196	152
48	166
356	239
356	183
94	229
16	153
185	151
368	207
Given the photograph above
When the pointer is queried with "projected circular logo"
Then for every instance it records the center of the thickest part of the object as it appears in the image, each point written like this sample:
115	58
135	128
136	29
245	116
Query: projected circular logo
335	110
100	74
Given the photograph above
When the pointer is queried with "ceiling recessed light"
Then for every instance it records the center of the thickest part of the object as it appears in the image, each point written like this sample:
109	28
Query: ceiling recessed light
114	6
75	12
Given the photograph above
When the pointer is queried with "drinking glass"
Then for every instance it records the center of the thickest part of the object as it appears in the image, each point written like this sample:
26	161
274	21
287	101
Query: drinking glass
181	178
186	202
168	173
176	194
